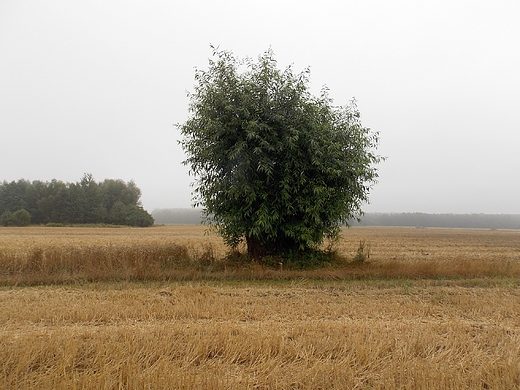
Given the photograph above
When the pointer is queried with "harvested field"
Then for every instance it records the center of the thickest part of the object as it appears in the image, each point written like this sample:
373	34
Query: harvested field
431	308
298	335
39	255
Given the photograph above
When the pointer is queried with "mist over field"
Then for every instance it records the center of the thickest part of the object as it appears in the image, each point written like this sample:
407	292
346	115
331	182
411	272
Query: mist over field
96	86
471	221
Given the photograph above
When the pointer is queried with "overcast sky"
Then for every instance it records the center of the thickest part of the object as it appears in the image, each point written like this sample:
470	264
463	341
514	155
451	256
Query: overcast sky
96	86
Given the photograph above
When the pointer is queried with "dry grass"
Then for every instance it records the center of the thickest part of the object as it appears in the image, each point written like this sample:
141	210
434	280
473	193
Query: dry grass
430	308
75	255
27	238
69	255
296	335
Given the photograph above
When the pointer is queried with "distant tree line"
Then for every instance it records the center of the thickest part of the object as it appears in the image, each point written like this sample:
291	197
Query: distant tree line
470	221
84	202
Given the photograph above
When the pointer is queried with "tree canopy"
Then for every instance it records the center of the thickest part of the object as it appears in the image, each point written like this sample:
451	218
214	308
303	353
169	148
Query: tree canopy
84	202
274	165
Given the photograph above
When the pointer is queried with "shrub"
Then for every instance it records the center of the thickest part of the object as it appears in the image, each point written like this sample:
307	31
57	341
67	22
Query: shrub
18	218
363	252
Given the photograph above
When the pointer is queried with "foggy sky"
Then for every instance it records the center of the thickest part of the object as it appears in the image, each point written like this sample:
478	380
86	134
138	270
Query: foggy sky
96	86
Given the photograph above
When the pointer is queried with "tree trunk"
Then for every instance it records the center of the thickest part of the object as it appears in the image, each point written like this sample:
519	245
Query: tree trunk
255	249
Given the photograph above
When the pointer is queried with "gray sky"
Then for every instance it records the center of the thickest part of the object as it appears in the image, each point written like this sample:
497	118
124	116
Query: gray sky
95	87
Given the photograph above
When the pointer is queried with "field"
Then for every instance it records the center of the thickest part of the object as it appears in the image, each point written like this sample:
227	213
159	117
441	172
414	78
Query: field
430	308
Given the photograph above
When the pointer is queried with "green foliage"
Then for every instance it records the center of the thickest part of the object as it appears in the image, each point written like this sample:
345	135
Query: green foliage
5	218
84	202
21	218
137	216
274	165
18	218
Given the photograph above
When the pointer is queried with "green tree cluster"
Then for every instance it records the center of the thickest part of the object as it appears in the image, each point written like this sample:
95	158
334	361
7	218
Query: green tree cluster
84	202
275	166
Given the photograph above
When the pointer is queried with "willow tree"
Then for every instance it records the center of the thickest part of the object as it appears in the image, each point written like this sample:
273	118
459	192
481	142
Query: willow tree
273	164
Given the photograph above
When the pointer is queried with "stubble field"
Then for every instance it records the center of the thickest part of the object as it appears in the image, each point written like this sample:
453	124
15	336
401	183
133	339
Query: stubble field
431	308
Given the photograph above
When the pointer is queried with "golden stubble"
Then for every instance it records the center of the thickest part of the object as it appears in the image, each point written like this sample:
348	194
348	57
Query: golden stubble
38	255
293	335
430	308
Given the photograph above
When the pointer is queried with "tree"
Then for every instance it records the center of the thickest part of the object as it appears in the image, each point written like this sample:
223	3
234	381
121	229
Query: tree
137	216
112	201
18	218
274	165
91	206
12	195
21	218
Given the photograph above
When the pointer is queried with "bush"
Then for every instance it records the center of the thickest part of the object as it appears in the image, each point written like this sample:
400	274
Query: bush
137	216
18	218
54	224
363	252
